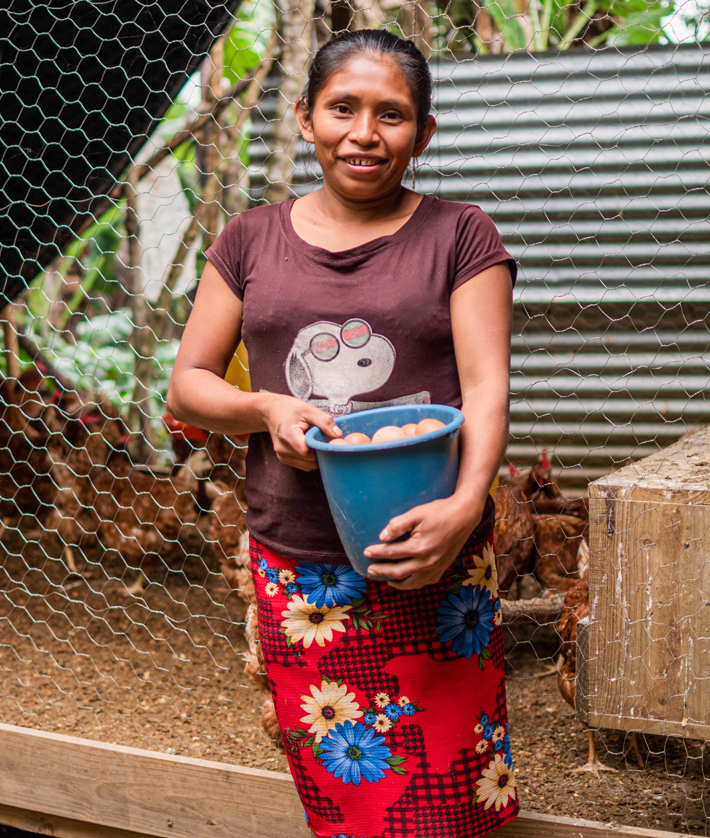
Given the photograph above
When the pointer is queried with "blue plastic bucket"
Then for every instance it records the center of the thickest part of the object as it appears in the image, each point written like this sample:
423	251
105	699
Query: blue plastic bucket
368	485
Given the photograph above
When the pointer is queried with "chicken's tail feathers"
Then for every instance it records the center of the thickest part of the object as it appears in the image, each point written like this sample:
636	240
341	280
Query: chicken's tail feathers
197	466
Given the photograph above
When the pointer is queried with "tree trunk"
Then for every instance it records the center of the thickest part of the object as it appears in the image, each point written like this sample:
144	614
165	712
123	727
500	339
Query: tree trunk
295	19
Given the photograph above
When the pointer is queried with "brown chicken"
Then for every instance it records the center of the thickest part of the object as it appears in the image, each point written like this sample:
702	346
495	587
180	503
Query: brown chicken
576	609
81	439
256	670
26	487
513	533
103	498
231	541
545	495
557	540
228	455
141	515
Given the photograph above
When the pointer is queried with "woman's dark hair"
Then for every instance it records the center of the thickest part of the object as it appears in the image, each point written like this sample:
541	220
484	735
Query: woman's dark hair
340	49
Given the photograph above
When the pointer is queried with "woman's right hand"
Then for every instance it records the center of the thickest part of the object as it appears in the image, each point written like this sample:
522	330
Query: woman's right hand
287	420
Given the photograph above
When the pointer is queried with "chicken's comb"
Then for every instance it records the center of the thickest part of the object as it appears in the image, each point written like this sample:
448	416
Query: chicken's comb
545	462
514	471
92	418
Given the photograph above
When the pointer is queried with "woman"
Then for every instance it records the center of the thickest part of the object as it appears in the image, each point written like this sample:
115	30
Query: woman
390	695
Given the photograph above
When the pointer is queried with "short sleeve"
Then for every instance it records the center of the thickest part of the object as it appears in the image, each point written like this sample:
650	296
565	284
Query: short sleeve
225	255
478	246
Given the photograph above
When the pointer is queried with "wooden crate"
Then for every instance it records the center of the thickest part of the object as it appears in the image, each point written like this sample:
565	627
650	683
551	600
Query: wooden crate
648	640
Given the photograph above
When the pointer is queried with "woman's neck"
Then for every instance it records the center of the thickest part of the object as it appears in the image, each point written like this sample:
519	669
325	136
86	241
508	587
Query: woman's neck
331	221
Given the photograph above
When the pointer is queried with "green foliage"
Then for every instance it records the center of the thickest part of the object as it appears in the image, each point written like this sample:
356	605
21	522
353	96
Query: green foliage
508	22
245	44
638	22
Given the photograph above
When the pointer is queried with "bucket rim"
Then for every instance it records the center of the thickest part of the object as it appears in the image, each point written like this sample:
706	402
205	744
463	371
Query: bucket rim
449	429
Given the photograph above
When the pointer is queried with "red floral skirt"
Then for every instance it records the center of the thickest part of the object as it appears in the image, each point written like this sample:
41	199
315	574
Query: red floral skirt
391	703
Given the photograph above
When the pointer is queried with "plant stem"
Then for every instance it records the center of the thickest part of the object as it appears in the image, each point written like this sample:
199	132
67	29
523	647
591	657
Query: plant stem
538	36
580	21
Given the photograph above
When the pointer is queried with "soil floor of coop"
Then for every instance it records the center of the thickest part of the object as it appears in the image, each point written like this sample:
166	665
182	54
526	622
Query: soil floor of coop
164	672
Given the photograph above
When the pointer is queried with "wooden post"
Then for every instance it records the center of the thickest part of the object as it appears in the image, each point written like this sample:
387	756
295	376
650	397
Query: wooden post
581	691
12	351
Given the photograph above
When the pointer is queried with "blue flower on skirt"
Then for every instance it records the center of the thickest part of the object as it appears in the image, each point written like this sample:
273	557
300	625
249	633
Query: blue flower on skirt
467	619
498	746
393	712
409	709
488	732
352	752
483	719
328	584
369	718
272	575
262	564
292	588
507	751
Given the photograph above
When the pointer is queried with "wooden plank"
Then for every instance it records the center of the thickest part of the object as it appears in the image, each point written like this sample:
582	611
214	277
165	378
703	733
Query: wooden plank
537	610
649	636
581	691
533	825
526	825
74	788
42	824
680	473
142	791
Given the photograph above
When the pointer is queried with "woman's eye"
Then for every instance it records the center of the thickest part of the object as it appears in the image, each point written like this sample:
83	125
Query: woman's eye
341	109
392	115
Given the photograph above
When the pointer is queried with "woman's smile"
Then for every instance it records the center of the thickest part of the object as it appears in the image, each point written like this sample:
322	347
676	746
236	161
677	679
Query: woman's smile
364	128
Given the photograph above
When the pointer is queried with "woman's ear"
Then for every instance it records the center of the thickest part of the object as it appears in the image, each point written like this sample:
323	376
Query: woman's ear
304	123
424	137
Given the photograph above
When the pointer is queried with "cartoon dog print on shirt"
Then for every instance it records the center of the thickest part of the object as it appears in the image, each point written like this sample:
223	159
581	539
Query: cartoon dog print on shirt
329	364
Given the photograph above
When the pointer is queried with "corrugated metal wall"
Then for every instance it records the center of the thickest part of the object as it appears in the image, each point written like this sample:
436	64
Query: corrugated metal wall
595	168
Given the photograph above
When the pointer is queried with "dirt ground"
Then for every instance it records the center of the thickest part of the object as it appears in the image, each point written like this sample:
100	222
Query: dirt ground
165	673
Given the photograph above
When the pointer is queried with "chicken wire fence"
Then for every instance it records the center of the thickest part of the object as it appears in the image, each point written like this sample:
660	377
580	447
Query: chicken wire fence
130	135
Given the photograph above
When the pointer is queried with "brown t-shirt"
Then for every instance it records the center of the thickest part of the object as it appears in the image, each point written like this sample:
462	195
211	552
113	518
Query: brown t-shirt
365	327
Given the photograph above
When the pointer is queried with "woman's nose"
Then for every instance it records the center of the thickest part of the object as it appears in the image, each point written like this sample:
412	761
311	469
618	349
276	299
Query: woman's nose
364	129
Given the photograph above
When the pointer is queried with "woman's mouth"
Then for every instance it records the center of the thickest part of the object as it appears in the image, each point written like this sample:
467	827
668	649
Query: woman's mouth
362	162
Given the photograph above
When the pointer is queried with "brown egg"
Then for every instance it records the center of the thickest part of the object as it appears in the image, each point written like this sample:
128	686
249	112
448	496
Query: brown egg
356	439
426	426
410	429
389	433
337	441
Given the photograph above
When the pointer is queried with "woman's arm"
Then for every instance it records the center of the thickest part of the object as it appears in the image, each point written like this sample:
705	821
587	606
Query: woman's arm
199	395
481	312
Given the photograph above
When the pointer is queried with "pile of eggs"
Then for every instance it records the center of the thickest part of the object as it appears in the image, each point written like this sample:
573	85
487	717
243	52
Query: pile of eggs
391	433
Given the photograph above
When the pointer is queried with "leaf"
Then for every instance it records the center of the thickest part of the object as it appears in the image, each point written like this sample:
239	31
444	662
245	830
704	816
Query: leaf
317	750
485	653
507	19
481	663
398	770
395	759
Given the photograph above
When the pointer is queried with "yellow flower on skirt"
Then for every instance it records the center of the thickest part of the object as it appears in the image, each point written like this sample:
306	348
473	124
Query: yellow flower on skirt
329	706
496	786
305	622
485	573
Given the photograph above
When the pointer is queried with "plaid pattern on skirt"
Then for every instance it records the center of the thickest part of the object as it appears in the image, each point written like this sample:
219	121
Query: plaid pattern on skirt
391	703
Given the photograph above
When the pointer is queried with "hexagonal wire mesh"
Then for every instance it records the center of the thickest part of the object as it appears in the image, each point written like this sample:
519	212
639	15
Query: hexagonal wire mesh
581	128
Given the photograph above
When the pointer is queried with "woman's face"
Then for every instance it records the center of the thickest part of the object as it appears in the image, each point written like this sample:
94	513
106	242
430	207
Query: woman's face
364	128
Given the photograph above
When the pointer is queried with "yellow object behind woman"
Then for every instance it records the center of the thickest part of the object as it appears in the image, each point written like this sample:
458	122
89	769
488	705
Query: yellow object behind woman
238	370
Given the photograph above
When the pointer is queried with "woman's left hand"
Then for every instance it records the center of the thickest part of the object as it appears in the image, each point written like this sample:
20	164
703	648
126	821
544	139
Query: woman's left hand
437	532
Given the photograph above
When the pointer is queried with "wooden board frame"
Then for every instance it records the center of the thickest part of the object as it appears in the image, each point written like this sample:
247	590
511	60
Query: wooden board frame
648	641
67	787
